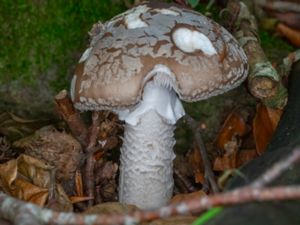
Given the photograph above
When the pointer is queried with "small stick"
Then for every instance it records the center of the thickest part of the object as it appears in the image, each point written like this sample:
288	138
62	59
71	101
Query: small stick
26	213
264	82
65	108
280	6
90	161
19	212
208	173
277	169
287	63
187	184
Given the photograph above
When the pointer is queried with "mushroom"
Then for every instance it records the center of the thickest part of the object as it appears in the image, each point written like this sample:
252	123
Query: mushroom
140	65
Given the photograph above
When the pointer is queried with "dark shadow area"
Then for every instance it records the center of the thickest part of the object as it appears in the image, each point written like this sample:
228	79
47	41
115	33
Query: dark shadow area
286	138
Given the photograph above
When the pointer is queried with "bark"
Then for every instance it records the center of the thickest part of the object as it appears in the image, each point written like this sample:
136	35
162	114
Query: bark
65	108
208	171
264	82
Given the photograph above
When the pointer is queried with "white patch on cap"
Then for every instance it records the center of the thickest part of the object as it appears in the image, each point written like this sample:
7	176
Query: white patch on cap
72	88
85	55
167	12
133	19
191	40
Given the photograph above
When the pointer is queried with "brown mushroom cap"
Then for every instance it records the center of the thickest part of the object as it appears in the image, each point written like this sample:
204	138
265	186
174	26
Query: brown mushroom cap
113	71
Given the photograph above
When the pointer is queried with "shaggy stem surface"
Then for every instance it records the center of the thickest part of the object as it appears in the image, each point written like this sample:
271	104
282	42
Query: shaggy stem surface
146	173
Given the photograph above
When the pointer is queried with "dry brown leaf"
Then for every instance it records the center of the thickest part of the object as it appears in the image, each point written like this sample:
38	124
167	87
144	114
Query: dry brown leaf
195	160
264	125
78	183
227	161
233	126
76	199
291	19
29	179
291	34
58	149
199	177
245	156
29	192
14	127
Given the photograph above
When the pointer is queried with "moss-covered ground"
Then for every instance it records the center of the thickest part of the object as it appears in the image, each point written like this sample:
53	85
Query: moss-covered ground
40	35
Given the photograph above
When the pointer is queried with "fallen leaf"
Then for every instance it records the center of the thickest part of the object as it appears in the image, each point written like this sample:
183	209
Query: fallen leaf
245	156
6	152
14	127
58	149
195	161
233	127
235	160
264	125
291	34
227	161
29	179
78	183
76	199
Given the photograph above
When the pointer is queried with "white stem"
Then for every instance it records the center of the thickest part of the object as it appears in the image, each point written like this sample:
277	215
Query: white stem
146	173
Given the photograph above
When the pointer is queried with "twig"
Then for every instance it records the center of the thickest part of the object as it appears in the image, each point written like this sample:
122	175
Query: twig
65	108
280	6
26	214
184	180
287	62
264	81
208	173
90	161
21	213
276	170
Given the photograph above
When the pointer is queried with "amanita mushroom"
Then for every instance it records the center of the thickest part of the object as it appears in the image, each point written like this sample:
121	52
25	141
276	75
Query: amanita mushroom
140	64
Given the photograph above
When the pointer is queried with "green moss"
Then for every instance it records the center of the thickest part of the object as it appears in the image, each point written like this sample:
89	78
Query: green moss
213	12
274	46
40	37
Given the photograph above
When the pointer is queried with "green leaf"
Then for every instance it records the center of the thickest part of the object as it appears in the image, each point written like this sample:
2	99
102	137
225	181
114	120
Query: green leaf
207	216
193	3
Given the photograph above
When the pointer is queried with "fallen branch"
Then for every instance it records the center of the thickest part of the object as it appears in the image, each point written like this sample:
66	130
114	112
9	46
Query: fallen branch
287	63
280	6
65	108
28	214
188	186
90	161
21	213
208	172
291	34
277	169
264	82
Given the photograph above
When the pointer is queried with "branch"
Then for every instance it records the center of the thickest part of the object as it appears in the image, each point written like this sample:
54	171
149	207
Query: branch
264	81
65	108
277	169
23	213
185	181
27	214
280	6
208	172
90	161
287	63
